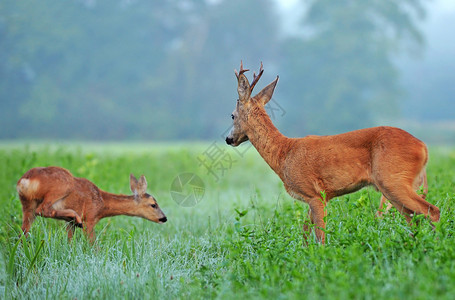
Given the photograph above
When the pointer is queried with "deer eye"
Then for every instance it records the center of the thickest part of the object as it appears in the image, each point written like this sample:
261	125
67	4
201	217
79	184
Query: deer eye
232	116
153	205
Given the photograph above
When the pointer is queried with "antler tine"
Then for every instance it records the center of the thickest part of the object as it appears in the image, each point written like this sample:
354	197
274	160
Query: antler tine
256	78
241	70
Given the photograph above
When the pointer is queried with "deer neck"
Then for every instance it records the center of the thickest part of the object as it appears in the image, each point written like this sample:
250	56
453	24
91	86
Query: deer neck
115	205
271	144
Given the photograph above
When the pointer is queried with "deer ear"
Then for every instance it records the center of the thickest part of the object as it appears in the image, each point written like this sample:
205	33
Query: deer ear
266	94
244	88
133	184
142	186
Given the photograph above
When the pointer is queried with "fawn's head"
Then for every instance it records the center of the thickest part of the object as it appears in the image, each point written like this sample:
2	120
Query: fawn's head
246	103
147	207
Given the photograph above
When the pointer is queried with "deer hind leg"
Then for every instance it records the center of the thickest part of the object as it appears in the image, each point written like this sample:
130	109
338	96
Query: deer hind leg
407	202
381	210
419	183
422	182
28	214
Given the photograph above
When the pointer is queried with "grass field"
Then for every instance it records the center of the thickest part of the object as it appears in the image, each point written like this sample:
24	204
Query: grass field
243	238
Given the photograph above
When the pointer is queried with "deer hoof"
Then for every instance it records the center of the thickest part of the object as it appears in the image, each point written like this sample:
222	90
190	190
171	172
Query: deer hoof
78	225
78	222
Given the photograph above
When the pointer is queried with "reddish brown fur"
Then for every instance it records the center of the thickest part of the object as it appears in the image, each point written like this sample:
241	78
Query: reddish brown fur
388	158
53	192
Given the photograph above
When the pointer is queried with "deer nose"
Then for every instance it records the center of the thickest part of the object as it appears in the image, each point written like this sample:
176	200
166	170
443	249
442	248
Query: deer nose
229	140
164	219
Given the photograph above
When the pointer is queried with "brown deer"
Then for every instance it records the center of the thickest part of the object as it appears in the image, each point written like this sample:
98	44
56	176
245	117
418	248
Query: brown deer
388	158
53	192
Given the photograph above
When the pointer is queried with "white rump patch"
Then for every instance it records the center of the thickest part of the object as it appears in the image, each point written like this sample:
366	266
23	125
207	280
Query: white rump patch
27	187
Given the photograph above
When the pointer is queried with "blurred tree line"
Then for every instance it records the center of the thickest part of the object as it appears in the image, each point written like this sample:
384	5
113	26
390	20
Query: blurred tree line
138	69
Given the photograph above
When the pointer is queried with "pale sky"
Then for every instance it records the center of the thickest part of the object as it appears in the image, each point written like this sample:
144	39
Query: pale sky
444	5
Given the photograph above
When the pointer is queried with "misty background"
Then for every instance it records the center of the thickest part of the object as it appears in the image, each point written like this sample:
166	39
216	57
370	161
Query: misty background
163	70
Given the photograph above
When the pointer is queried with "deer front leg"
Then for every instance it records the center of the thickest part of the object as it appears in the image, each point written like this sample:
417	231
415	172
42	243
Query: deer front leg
318	214
307	227
70	230
48	211
66	214
89	230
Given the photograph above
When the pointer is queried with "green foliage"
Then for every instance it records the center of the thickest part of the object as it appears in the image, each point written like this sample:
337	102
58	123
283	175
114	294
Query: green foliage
124	69
343	66
152	69
244	239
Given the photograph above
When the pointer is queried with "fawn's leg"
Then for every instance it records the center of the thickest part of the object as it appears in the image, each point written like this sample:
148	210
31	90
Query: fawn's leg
28	216
47	210
90	230
70	230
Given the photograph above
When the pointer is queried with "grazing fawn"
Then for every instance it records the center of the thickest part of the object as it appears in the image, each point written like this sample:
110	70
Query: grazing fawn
53	192
388	158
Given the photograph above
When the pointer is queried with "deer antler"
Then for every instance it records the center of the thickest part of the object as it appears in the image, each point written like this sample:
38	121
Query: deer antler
256	78
241	70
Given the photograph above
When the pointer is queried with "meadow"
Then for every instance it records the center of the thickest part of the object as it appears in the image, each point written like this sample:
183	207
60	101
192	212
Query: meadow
237	234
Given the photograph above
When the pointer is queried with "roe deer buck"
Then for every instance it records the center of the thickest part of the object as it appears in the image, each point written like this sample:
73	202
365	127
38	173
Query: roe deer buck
387	158
53	192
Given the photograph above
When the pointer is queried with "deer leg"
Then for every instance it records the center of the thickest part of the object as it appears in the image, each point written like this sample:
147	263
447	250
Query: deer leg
407	202
381	211
318	214
90	231
307	227
407	213
28	214
422	182
70	230
47	211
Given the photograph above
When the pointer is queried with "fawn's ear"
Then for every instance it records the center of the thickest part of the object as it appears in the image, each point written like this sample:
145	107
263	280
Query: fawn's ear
133	184
243	88
266	94
142	186
138	187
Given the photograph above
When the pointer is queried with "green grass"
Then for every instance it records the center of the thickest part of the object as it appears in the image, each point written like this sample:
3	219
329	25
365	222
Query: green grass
244	239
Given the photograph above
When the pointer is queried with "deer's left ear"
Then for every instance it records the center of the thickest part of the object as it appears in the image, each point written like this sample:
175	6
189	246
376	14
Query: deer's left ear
266	94
243	88
133	184
138	187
